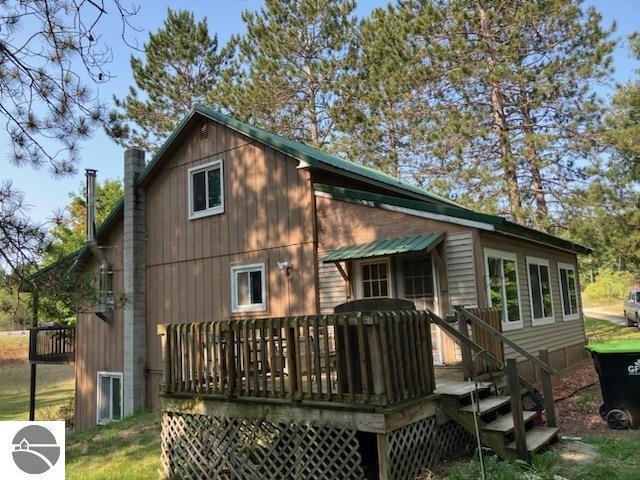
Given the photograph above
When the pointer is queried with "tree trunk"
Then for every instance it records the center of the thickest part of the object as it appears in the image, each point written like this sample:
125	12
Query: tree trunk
314	129
501	127
533	159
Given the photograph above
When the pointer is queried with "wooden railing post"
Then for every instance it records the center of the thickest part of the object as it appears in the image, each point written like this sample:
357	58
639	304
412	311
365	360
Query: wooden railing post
162	331
467	359
519	432
547	390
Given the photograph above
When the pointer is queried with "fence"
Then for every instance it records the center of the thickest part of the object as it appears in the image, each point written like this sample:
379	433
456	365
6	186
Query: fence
52	344
363	359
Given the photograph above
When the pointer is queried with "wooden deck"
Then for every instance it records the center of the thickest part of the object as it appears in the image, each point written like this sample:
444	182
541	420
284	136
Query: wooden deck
372	359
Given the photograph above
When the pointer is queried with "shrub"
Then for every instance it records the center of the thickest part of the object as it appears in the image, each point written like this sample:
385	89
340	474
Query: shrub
609	285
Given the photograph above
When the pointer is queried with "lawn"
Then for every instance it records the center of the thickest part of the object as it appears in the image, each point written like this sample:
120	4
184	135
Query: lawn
13	349
55	383
611	459
602	331
125	450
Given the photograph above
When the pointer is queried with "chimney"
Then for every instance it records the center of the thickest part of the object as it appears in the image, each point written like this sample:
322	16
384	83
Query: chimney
91	204
134	253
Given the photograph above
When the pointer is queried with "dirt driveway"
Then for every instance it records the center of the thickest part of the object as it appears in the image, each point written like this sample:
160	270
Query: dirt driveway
613	314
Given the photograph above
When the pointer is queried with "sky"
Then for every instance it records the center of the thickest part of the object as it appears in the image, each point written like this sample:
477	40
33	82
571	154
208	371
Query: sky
45	195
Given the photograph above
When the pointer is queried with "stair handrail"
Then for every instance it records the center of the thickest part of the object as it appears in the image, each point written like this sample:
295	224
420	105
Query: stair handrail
444	325
507	341
546	370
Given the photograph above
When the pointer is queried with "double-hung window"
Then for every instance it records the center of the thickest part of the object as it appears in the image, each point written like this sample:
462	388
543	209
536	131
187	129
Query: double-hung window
248	288
502	286
568	290
109	405
540	291
206	190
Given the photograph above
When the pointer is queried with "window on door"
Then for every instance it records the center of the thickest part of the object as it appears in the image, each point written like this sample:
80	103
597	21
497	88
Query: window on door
109	405
540	291
417	278
502	286
568	291
375	279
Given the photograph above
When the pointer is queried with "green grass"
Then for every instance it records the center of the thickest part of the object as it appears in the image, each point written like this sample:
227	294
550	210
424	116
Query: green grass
125	450
55	389
54	383
617	459
602	331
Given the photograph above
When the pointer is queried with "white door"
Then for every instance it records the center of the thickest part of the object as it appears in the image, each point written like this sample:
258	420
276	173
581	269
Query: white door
417	280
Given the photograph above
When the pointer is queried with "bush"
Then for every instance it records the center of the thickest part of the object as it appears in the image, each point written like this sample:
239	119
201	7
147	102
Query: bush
609	285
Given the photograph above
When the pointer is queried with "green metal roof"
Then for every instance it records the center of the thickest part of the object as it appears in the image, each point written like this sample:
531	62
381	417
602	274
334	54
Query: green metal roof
67	260
422	199
300	151
499	224
629	346
380	248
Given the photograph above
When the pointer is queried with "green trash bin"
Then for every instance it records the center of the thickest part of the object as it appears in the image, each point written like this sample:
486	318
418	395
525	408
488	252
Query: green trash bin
618	366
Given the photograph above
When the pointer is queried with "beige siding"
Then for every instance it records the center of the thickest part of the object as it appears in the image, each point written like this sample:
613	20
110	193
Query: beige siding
98	343
461	272
553	336
332	288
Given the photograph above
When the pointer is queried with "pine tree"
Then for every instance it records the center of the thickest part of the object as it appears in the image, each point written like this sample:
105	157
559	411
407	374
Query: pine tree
622	132
496	97
181	66
289	68
69	233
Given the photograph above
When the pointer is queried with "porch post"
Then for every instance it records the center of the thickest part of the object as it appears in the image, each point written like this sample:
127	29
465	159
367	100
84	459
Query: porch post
467	360
32	345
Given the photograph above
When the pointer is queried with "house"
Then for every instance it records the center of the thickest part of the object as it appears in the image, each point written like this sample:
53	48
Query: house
228	221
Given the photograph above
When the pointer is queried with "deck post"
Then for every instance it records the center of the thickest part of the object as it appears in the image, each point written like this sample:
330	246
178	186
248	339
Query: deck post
519	432
467	360
547	391
383	463
32	350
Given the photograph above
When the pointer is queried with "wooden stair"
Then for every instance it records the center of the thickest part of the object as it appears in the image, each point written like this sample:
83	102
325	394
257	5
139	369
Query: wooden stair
495	419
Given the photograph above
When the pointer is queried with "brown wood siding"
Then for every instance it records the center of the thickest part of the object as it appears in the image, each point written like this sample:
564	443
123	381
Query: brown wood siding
267	218
344	223
98	343
553	336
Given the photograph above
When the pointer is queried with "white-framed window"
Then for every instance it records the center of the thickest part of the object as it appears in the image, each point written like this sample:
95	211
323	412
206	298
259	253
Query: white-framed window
206	190
503	290
248	288
109	402
569	291
373	279
540	291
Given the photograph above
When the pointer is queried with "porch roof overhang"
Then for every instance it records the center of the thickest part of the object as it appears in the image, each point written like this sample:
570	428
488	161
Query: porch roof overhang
381	248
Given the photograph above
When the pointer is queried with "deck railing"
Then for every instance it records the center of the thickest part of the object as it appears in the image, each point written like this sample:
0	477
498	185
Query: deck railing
358	359
52	344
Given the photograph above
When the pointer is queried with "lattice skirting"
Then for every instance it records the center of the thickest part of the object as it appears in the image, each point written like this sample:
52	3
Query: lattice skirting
422	444
203	447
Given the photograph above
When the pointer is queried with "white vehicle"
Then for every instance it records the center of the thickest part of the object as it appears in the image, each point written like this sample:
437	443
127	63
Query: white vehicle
632	308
